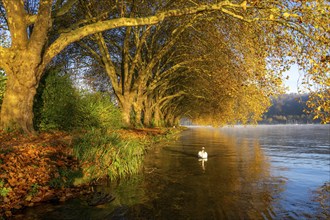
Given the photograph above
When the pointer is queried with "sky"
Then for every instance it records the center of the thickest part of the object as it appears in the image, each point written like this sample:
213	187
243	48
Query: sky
294	80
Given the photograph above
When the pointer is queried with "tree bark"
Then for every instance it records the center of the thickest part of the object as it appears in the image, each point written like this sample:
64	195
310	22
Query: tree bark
147	114
138	113
158	117
17	106
125	103
22	63
126	112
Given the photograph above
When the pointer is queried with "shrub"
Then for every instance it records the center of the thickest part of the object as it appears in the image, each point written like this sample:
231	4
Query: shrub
97	110
59	106
56	103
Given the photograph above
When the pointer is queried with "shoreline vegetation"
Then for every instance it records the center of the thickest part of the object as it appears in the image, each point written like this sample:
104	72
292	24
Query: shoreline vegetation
57	166
81	140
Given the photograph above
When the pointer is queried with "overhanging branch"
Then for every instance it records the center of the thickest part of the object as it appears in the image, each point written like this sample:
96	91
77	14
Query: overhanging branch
67	38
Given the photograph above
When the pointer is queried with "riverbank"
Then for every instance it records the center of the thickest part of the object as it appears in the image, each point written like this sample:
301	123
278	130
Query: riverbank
59	166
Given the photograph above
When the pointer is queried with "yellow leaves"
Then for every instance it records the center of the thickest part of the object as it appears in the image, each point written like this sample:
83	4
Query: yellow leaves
271	17
286	15
319	105
274	10
244	5
327	82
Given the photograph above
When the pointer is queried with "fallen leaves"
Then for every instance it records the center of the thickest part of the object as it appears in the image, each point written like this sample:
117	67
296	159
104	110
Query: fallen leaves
34	169
28	165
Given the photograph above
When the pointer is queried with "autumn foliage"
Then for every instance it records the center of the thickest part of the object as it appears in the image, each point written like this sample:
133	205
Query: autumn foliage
31	170
58	166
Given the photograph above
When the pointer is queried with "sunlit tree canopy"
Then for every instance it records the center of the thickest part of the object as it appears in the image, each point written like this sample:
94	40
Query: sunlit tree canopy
214	61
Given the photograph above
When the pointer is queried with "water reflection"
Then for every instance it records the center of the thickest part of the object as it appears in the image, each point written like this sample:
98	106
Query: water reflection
203	161
249	174
235	184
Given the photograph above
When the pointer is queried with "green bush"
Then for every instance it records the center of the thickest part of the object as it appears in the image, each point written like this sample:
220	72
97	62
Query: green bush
56	103
59	106
97	110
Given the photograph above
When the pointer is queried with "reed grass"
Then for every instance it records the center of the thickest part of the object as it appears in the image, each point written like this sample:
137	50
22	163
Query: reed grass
103	154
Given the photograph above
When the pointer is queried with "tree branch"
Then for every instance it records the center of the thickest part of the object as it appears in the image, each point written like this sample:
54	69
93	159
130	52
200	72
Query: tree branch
107	62
65	8
67	38
96	56
139	46
41	26
16	22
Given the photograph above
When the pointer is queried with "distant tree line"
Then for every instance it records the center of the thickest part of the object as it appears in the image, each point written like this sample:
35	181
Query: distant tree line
289	109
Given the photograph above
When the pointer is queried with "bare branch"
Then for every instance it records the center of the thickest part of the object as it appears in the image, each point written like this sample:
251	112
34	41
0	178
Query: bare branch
96	56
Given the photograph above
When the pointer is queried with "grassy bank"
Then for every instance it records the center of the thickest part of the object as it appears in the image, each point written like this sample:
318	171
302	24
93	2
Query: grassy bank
60	165
93	145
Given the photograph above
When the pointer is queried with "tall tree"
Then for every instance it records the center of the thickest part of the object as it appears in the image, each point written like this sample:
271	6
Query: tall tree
32	47
38	35
133	57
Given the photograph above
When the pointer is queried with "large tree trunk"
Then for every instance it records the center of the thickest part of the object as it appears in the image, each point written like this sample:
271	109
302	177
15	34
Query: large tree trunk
126	107
148	112
126	113
138	114
23	62
158	120
147	117
138	107
17	106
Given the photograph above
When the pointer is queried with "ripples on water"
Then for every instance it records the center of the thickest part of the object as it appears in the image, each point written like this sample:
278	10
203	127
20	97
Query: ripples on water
262	172
300	155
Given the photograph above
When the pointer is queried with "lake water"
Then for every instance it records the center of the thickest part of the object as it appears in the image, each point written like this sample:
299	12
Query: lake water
262	172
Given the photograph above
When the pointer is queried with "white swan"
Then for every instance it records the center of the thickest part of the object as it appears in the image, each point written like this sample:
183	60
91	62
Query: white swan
202	154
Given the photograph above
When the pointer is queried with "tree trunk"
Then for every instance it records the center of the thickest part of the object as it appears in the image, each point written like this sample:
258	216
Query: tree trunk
126	108
138	114
17	106
147	117
157	117
168	120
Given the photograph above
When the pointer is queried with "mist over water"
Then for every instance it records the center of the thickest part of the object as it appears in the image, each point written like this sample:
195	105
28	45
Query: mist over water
262	172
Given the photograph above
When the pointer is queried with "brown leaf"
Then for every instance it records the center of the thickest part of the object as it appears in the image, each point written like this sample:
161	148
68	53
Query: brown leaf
8	213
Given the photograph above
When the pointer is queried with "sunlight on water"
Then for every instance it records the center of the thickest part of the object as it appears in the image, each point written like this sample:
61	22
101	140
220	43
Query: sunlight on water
262	172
